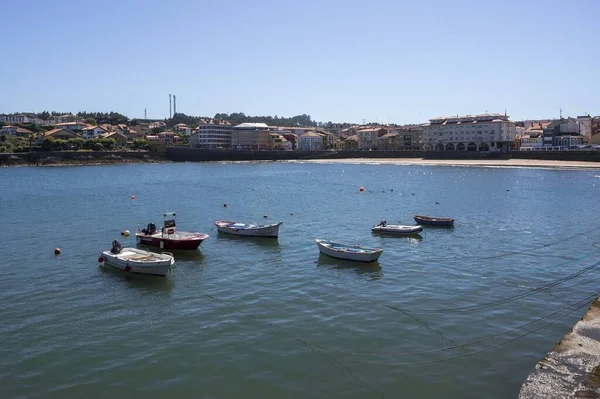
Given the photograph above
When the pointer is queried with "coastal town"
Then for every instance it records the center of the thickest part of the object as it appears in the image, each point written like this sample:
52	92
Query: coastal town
486	133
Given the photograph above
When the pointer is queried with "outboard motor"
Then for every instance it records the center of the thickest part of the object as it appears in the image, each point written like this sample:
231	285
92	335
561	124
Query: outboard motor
116	247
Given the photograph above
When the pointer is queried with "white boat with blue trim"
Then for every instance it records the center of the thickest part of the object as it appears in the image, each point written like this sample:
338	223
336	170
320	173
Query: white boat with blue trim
135	260
249	230
352	252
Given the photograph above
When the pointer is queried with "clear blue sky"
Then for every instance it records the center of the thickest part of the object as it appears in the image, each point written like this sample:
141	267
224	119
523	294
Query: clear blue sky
336	60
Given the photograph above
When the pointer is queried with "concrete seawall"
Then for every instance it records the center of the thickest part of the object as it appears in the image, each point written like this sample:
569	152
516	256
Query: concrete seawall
78	158
572	367
186	154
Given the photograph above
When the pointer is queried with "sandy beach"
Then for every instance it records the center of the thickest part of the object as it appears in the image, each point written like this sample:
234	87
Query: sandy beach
507	163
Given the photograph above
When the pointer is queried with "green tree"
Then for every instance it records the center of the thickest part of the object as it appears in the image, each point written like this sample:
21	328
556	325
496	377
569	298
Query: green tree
108	144
140	143
76	143
91	121
3	138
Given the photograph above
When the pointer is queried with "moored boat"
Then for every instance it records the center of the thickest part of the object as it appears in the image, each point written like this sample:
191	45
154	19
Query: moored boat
352	252
397	229
135	260
384	227
168	237
250	230
432	221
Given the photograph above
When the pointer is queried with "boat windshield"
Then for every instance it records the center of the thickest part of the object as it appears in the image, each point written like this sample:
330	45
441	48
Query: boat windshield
169	223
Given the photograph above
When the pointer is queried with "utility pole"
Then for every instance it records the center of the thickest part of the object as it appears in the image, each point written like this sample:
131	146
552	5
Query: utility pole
170	116
145	114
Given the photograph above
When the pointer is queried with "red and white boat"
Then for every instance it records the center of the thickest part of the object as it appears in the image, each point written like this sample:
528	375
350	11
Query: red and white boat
168	237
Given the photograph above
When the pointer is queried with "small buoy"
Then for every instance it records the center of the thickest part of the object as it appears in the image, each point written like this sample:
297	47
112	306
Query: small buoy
361	189
225	205
437	202
56	251
133	197
100	259
125	233
291	214
265	216
392	189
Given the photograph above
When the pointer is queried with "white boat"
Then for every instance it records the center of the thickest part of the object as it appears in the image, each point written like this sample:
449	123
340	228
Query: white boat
250	230
396	229
135	260
353	252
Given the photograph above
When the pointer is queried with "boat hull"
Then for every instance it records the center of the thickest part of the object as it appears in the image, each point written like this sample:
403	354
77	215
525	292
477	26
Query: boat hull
177	241
349	252
133	260
425	220
397	229
240	229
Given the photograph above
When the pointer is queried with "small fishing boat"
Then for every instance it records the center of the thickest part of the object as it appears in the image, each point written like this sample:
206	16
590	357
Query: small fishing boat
384	227
250	230
136	260
427	220
168	237
353	252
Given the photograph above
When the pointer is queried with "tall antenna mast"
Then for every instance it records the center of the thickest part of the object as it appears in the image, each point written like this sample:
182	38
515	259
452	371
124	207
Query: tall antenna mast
174	105
170	116
560	110
145	114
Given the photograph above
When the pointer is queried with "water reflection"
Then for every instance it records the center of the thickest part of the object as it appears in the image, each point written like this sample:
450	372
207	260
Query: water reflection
145	281
411	238
371	270
260	241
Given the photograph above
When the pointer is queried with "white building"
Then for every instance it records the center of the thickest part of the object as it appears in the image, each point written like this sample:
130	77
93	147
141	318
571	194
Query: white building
72	126
212	134
17	118
484	132
182	128
93	132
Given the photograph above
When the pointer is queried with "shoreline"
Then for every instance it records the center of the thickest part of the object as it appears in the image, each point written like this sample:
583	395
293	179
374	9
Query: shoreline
507	163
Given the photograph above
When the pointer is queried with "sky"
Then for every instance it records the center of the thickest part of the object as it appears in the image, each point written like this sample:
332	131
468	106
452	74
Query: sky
385	61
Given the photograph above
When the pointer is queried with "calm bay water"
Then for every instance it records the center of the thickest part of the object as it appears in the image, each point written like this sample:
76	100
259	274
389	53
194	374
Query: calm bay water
273	318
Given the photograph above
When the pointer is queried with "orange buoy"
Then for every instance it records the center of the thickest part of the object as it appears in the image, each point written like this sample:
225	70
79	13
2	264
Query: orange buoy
56	251
362	189
133	197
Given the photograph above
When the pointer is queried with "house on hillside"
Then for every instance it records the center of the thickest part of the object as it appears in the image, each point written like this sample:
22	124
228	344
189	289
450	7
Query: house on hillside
62	134
16	131
93	132
119	138
72	126
182	128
